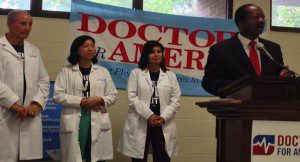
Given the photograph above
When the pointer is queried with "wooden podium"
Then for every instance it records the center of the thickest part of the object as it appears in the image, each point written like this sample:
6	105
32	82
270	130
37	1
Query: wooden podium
248	99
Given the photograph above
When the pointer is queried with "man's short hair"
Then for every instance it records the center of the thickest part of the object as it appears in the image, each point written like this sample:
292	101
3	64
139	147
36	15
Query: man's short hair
12	15
241	13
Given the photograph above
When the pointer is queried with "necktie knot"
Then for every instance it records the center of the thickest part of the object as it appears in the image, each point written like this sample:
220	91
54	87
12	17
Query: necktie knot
252	44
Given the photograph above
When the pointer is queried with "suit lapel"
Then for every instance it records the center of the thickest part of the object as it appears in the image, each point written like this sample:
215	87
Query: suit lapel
242	55
263	58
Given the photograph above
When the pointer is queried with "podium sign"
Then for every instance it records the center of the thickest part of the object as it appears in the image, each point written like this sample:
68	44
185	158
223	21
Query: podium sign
275	141
259	121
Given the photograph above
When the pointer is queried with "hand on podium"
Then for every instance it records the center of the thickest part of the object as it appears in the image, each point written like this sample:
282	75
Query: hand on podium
285	72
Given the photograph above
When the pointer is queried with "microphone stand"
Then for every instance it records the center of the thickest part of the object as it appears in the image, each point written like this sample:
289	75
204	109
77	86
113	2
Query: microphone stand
263	50
261	47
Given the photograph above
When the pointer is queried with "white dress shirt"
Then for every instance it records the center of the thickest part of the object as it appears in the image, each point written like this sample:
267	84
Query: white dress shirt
245	42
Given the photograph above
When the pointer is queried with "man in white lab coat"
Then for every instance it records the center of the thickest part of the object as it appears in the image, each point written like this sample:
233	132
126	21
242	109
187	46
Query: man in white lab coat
24	88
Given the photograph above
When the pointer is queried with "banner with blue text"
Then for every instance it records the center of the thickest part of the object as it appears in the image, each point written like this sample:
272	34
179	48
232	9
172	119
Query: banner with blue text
50	121
120	34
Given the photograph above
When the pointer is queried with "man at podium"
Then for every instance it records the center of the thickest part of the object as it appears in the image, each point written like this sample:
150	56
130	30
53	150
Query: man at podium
238	56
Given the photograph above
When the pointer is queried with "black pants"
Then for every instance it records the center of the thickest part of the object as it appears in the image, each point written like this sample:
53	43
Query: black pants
156	137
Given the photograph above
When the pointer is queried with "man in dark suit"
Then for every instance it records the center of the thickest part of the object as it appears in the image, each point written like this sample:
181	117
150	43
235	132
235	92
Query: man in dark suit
237	57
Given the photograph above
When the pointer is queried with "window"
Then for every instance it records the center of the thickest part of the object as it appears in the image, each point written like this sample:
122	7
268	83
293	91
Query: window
15	4
199	8
61	8
285	15
65	5
56	5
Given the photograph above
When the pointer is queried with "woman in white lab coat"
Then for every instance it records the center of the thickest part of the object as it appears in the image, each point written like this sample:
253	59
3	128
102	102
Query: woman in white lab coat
85	90
153	94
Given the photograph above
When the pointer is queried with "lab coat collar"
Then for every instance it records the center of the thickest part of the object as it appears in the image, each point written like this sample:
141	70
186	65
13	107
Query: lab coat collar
146	73
76	67
8	47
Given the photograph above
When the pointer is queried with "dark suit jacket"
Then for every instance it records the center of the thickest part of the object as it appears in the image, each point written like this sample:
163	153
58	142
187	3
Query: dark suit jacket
227	61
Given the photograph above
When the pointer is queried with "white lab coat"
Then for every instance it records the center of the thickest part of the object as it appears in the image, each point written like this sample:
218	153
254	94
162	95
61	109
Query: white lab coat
139	91
68	92
21	137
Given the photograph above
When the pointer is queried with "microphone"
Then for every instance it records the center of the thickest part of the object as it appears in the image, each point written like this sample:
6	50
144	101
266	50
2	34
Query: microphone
261	46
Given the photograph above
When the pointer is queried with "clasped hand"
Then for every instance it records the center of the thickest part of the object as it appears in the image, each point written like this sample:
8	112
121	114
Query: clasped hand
156	121
30	111
92	103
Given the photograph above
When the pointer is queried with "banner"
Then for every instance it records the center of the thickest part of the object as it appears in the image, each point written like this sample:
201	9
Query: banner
50	121
120	34
275	141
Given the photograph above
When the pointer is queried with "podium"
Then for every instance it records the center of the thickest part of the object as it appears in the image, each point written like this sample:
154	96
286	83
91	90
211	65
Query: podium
249	99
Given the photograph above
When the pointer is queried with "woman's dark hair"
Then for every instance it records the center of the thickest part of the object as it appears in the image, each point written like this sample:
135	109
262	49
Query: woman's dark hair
147	49
74	57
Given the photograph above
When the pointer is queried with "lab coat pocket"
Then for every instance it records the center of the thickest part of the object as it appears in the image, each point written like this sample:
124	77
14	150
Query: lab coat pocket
3	115
167	88
98	86
131	124
67	123
105	121
165	93
174	131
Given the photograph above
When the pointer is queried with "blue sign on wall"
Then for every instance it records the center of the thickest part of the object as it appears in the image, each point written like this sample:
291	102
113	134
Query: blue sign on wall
50	121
